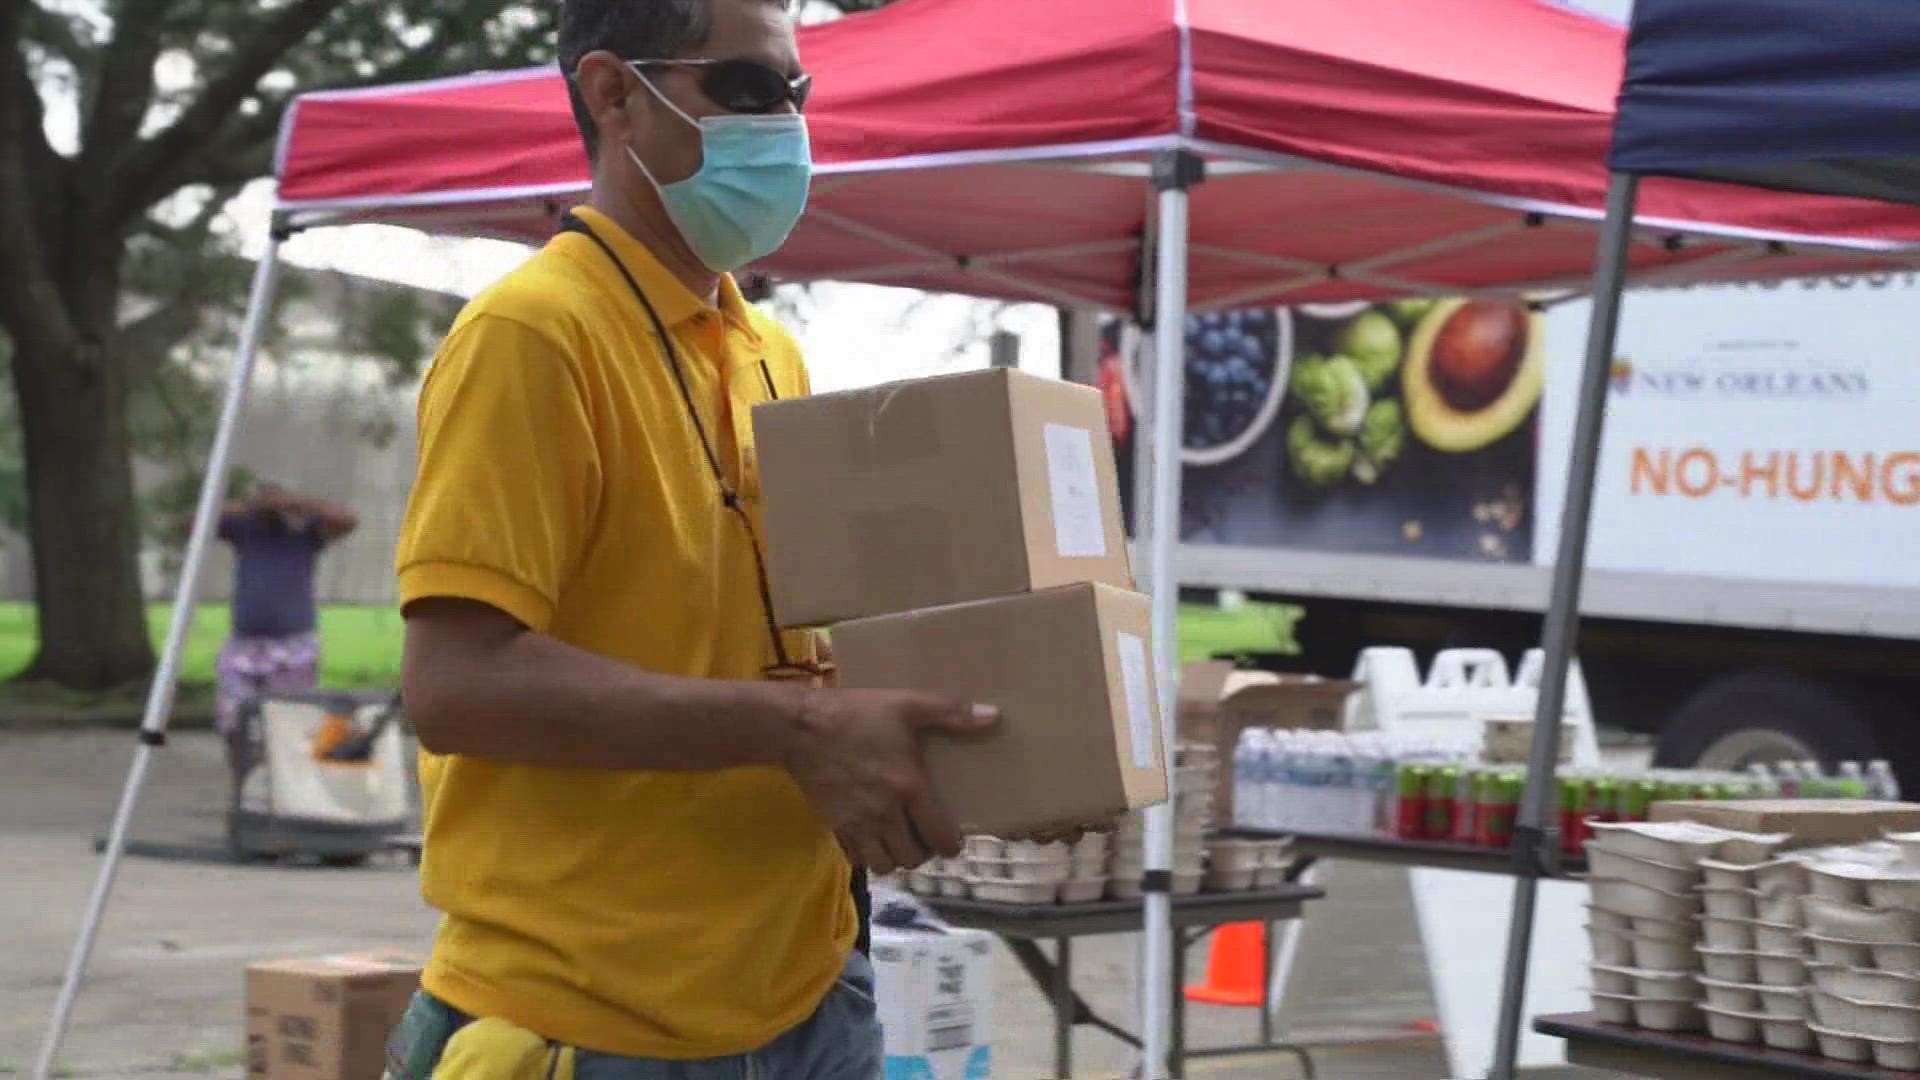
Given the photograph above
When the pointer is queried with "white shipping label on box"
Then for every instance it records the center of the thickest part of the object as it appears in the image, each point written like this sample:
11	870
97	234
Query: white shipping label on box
1073	486
935	992
1139	691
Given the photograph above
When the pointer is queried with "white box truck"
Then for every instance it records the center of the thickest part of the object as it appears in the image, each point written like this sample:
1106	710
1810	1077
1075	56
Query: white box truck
1398	469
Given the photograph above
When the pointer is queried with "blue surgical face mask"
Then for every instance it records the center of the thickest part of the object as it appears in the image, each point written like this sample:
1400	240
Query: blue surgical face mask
749	192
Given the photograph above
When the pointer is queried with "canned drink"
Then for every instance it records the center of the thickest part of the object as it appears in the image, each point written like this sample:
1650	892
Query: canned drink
1442	792
1574	792
1410	808
1499	800
1603	800
1636	799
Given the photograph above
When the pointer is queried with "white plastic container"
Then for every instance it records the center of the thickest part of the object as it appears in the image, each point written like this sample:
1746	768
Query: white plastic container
1642	901
1866	984
1780	969
1186	882
1909	844
1841	1045
1612	979
1896	1022
1738	997
1657	1015
1269	877
1729	965
1895	887
1851	922
1048	870
1842	881
1667	877
1727	933
1659	954
1780	908
1769	938
1217	880
1001	891
1613	1008
1234	855
1602	919
986	847
1611	946
1730	1026
1782	876
1786	1033
1715	874
1787	1001
1826	950
1083	890
1687	930
1749	848
1731	903
955	887
1901	1054
1904	959
1678	843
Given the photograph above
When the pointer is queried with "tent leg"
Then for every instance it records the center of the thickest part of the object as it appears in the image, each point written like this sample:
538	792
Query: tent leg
1536	835
1175	172
159	708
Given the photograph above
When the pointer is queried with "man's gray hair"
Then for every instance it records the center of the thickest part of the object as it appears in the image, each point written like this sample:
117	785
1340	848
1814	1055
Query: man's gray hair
631	30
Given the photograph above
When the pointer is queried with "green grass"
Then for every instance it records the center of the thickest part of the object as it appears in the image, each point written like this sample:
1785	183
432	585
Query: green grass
360	649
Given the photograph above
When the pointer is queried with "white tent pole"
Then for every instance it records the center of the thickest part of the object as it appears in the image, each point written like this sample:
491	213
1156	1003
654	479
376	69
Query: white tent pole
1174	173
153	725
1535	834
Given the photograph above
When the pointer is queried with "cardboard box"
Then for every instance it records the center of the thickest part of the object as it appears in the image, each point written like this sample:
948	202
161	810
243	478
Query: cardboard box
1217	702
1071	669
936	491
1811	822
326	1018
936	1002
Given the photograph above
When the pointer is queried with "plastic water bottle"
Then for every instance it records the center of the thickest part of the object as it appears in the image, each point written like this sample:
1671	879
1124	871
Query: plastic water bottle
1340	785
1853	781
1250	776
1276	786
1881	783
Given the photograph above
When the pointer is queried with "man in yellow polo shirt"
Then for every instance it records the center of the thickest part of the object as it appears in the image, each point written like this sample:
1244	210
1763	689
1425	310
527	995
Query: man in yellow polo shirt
640	807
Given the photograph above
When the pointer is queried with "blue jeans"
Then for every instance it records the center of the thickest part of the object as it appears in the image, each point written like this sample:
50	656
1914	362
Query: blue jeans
840	1041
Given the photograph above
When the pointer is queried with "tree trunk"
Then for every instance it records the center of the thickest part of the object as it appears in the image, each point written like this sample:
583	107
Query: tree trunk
82	520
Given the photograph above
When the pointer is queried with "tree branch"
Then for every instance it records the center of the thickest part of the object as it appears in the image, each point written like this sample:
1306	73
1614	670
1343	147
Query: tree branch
30	303
253	57
124	91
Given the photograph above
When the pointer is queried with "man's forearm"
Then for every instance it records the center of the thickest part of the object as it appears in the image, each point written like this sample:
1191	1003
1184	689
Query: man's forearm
530	699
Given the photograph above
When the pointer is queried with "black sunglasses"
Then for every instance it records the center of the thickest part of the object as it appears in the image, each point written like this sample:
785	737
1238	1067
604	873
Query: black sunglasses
741	86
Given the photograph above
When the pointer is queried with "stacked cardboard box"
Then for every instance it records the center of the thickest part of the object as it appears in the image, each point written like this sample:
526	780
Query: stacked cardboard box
962	536
326	1018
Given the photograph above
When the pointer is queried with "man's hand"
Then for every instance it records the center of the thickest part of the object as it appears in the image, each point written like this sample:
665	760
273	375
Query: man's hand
857	761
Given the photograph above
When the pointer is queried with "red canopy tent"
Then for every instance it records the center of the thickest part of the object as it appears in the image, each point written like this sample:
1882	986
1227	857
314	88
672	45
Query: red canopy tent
1362	148
1121	154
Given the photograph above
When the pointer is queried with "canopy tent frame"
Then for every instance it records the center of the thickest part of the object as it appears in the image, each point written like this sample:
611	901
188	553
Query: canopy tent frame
1168	164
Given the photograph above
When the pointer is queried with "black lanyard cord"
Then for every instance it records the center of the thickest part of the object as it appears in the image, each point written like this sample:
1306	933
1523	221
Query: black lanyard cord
728	496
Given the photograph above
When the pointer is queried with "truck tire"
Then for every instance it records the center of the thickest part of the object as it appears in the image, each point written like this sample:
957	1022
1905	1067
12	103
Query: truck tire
1740	720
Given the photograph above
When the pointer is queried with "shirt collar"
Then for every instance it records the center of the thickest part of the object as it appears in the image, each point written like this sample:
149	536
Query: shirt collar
675	302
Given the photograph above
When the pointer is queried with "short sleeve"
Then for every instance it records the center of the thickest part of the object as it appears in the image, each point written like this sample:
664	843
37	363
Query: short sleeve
508	476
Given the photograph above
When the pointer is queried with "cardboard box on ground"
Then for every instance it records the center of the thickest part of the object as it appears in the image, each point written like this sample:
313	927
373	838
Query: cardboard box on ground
326	1018
936	491
935	991
1811	822
964	535
1218	701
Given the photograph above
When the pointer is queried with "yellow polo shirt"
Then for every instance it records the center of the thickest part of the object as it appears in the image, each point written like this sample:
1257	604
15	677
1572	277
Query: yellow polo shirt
669	915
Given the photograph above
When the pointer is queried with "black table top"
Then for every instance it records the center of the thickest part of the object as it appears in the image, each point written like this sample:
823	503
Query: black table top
1434	854
1583	1027
1114	916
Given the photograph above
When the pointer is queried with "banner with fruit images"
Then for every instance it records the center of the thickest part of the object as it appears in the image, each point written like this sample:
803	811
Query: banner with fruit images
1403	428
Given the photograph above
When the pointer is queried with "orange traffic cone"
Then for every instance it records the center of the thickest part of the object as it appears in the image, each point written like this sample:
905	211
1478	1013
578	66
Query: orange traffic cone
1236	966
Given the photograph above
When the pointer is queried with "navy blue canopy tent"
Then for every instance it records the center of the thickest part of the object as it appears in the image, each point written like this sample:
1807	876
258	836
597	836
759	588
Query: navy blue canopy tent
1814	96
1817	97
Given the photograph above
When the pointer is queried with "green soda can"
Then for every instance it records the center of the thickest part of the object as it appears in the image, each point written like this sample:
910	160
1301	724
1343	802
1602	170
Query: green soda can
1603	800
1410	808
1443	791
1637	798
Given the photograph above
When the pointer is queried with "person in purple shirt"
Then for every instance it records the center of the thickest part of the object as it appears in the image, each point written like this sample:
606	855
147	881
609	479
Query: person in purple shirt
276	537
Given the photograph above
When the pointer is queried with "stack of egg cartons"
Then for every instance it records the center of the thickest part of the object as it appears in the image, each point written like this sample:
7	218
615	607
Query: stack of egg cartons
1752	951
1196	772
1645	924
1863	925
